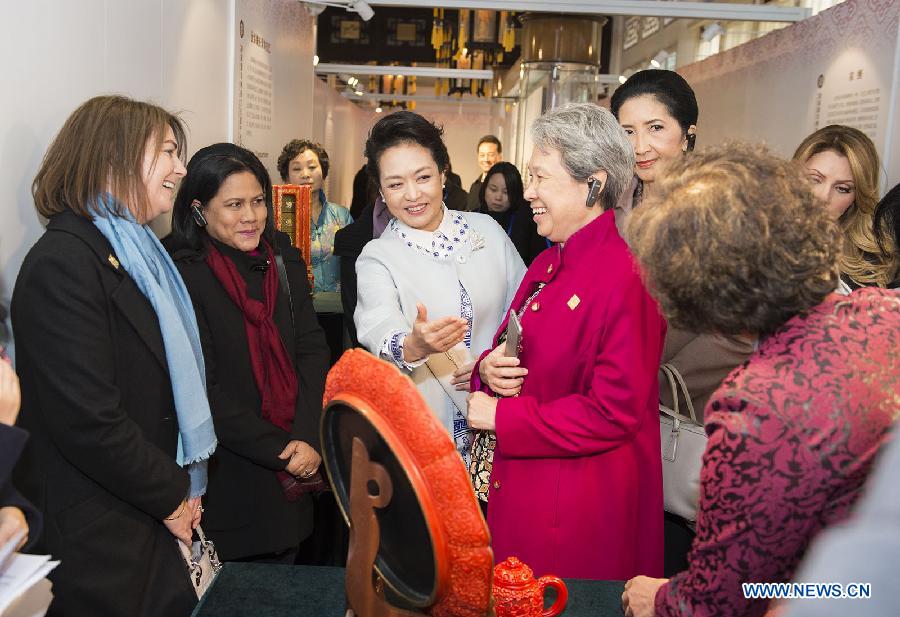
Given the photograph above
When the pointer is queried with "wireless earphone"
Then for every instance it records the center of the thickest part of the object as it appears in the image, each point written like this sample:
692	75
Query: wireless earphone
594	188
691	140
197	214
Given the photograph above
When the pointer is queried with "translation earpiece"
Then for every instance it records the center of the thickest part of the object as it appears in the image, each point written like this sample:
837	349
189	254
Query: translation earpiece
594	188
197	214
691	140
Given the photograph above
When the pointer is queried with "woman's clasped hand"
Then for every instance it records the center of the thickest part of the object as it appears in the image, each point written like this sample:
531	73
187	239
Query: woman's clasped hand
302	459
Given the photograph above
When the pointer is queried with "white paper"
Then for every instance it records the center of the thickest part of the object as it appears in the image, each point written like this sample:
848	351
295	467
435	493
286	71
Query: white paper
33	603
21	573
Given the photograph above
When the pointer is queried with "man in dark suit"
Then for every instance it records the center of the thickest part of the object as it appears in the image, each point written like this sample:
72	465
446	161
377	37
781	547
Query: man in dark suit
490	152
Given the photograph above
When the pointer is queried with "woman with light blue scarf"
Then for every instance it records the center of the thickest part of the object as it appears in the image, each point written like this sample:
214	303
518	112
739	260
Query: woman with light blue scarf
111	368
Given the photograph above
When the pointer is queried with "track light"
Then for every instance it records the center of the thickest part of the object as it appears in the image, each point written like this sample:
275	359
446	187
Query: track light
314	8
362	8
711	31
659	59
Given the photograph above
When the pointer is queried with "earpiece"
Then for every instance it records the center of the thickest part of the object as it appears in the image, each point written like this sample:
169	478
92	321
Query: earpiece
691	140
197	214
594	188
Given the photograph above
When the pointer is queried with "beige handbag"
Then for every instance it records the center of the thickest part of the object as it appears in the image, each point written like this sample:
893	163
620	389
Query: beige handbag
683	441
202	562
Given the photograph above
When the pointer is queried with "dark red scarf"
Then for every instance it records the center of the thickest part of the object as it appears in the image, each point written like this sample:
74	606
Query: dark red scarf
273	370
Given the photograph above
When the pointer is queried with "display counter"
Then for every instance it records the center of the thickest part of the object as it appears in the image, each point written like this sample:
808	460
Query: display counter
264	590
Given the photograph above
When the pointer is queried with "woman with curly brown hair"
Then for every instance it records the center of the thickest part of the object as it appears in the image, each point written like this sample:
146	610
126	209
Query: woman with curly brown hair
792	432
842	165
306	162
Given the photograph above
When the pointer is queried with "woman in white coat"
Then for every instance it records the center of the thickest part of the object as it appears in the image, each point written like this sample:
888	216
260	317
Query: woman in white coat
436	285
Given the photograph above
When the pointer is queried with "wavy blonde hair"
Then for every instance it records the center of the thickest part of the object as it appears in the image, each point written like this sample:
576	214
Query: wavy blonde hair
861	258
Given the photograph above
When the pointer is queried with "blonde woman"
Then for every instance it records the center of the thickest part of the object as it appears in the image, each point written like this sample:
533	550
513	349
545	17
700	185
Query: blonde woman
843	167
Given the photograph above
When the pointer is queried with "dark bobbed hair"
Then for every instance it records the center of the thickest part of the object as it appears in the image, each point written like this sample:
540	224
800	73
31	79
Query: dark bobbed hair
490	139
887	221
206	172
760	251
293	148
404	127
668	87
514	189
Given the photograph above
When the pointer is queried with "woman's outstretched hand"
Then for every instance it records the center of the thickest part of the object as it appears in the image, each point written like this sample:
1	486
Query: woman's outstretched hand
429	337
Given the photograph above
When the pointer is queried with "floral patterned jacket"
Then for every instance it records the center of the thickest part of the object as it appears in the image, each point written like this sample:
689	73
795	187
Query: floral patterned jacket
792	437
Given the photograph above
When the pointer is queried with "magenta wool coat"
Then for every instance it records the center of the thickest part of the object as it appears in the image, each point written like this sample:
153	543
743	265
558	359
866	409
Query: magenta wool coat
576	486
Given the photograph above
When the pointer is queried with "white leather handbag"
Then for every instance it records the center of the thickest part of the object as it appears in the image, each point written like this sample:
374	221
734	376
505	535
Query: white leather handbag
202	562
683	441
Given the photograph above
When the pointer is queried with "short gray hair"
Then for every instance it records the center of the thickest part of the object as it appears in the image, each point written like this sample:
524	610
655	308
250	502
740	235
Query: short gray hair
588	138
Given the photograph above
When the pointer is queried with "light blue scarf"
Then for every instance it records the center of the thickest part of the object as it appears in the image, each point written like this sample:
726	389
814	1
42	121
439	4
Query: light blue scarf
147	262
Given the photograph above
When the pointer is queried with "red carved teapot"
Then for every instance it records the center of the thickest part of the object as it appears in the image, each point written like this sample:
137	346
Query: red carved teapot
518	594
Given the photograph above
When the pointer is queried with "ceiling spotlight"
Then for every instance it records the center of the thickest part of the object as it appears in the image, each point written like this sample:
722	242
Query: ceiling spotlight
622	79
314	8
711	31
361	8
359	93
659	59
378	110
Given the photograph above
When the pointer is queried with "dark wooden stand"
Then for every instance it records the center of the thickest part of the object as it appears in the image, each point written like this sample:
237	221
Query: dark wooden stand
364	596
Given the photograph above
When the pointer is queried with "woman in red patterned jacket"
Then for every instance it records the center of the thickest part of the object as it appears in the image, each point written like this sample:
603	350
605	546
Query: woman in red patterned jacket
793	432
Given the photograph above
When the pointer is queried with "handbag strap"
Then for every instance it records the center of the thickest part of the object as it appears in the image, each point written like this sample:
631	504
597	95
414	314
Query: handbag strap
679	388
285	285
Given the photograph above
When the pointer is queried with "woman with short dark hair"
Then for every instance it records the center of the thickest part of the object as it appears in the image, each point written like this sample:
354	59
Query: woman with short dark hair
306	162
265	353
436	284
794	431
658	110
108	353
501	198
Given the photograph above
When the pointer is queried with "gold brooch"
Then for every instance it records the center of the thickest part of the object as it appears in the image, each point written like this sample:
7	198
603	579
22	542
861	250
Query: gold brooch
573	302
113	261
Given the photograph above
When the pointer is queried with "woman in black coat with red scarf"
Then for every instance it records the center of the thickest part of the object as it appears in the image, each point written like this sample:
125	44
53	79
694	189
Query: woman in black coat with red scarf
266	355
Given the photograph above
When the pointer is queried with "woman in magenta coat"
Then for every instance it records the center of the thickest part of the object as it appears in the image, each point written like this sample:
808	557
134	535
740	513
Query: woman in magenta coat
576	484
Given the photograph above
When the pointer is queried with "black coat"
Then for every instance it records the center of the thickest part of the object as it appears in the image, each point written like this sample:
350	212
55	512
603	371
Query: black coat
12	440
473	202
97	400
348	244
246	512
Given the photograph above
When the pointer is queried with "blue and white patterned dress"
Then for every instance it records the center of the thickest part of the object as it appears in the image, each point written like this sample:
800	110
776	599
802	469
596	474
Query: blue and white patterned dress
469	253
442	242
